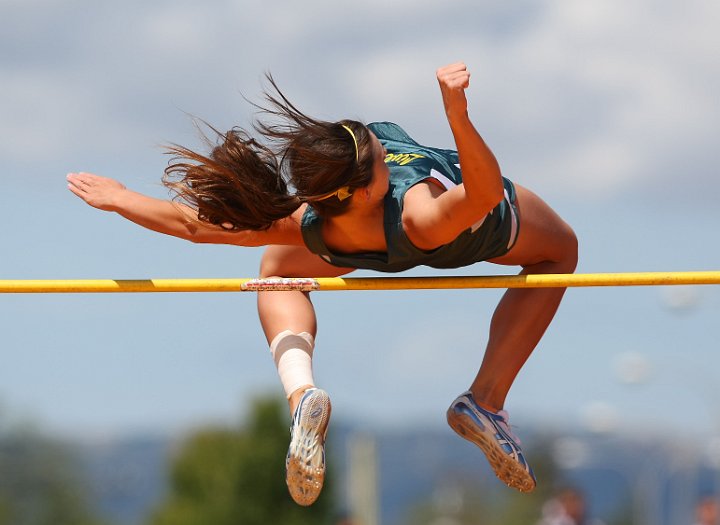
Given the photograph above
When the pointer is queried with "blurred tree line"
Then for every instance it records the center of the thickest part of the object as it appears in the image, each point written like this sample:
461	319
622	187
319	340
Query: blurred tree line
219	476
237	477
41	482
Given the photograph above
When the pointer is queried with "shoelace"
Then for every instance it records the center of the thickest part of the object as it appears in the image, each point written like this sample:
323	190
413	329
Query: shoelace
505	424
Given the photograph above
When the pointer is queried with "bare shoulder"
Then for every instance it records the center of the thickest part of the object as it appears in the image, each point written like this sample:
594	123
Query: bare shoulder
433	216
421	213
286	231
290	228
419	197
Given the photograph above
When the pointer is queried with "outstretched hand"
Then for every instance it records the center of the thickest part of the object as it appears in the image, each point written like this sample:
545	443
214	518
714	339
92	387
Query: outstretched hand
99	192
454	79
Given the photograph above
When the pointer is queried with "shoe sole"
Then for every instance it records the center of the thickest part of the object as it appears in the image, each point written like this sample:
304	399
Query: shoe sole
304	480
505	468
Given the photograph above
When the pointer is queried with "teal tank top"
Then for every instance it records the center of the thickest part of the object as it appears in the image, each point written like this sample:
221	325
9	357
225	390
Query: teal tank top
410	163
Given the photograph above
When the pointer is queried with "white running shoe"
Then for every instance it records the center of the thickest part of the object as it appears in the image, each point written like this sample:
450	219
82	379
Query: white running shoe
305	462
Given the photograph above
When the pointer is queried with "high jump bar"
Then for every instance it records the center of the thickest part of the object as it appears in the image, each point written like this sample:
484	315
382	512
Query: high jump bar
359	283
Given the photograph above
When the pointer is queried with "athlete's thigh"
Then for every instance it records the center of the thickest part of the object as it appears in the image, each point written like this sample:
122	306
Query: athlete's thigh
296	261
543	235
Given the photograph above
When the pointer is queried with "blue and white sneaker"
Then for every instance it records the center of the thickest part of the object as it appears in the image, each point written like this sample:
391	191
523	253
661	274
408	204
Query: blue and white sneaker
491	432
305	461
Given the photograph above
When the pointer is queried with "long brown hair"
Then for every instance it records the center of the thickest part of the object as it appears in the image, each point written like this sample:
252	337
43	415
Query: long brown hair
243	184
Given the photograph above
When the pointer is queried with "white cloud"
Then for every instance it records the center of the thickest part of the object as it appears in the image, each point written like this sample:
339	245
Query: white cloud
611	91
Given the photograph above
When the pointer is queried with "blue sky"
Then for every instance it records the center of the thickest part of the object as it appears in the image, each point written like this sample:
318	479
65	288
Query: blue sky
608	110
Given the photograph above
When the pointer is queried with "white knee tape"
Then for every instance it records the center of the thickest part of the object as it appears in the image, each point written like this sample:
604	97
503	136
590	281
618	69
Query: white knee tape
292	354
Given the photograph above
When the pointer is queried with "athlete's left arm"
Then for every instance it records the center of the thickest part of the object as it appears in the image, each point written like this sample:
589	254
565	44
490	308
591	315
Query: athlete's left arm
432	218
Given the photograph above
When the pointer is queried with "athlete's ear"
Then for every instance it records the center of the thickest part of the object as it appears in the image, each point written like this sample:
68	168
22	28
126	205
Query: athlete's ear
363	193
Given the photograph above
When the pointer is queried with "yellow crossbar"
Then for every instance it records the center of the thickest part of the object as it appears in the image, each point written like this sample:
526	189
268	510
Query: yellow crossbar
360	283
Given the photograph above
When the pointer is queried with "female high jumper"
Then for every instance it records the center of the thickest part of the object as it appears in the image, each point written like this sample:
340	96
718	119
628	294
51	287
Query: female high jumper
364	196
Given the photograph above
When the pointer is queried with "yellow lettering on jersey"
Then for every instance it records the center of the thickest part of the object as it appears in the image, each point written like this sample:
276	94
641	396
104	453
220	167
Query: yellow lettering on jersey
402	158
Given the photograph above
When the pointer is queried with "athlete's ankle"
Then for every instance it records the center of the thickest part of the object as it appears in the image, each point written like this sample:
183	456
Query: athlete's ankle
295	396
486	400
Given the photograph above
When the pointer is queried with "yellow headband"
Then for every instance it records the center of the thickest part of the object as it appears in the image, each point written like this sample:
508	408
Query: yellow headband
357	151
344	192
341	193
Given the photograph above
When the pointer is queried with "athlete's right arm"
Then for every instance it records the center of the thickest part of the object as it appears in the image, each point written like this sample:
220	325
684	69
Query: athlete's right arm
176	219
